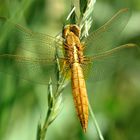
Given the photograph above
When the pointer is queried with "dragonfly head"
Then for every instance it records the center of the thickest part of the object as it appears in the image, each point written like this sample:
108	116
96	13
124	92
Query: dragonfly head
71	28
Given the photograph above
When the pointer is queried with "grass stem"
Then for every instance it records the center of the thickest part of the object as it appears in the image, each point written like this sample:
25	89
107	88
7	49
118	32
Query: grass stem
95	123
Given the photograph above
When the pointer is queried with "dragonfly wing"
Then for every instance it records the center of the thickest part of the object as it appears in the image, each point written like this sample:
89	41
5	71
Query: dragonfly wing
105	64
105	38
29	68
31	41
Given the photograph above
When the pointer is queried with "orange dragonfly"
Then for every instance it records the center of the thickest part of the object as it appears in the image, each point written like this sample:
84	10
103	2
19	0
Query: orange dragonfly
93	57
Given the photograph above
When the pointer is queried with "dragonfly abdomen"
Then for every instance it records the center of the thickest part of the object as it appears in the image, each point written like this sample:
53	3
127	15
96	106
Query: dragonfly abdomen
80	94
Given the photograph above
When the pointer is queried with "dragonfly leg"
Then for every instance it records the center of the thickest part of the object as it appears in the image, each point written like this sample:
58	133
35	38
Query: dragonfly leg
66	47
86	60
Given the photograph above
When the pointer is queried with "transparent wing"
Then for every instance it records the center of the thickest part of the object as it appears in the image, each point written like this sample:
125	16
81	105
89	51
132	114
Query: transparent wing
106	37
35	42
102	65
29	68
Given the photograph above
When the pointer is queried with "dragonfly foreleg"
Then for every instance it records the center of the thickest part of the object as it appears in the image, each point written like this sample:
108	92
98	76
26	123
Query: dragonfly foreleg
67	47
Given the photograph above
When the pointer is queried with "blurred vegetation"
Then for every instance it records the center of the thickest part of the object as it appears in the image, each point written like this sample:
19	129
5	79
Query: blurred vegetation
115	101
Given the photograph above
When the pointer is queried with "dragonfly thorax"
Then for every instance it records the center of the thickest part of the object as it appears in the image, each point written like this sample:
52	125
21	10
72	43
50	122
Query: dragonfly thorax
72	44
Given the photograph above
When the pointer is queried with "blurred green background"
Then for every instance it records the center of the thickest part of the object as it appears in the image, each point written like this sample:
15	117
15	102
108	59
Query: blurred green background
115	101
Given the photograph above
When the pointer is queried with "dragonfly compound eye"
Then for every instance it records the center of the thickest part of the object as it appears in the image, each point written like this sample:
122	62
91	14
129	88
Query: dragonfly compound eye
75	29
71	28
65	31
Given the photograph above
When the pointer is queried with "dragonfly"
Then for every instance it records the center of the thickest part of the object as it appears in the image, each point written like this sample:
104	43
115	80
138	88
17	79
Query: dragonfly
91	58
